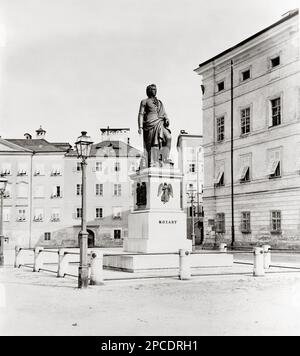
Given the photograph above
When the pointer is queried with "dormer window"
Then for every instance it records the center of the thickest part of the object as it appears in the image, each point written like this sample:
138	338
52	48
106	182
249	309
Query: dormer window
221	86
275	62
245	75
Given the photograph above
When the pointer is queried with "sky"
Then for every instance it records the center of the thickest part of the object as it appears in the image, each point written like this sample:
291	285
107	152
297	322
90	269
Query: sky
74	65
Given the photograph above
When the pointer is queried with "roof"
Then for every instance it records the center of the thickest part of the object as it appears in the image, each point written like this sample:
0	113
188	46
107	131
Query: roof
36	145
290	15
115	129
13	146
111	149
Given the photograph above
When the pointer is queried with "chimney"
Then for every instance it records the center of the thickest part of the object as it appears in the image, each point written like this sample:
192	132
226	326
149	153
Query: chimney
40	133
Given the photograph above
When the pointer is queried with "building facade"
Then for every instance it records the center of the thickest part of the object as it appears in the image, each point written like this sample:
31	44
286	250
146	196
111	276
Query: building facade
191	164
33	204
256	86
42	204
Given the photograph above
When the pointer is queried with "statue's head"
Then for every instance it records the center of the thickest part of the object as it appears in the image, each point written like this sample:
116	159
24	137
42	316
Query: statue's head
151	90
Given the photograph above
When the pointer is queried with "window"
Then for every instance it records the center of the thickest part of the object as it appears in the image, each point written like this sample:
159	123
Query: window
246	75
245	223
276	221
7	192
220	128
275	61
22	170
117	190
192	167
99	189
245	168
98	166
39	191
245	175
22	190
78	213
38	214
219	181
6	214
47	236
191	211
55	215
78	166
39	170
274	168
276	111
56	170
117	167
117	234
6	169
117	212
21	215
56	193
99	213
220	223
221	86
245	121
78	189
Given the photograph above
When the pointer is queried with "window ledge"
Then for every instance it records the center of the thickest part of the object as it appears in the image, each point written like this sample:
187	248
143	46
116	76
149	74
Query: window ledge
279	232
245	135
274	126
245	182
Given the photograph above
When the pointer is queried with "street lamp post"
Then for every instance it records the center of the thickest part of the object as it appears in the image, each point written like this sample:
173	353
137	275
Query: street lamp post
3	183
83	148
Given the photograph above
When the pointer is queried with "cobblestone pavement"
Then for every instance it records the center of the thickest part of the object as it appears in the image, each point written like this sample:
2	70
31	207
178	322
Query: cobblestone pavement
216	302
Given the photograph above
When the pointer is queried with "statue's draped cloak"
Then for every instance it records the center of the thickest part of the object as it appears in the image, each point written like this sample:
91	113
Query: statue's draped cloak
153	125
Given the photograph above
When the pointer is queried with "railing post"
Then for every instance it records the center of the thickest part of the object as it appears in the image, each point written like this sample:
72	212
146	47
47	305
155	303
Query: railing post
184	264
17	256
62	263
96	272
38	264
267	256
223	247
258	266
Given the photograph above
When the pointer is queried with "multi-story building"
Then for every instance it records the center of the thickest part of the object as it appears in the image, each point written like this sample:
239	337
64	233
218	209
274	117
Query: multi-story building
256	85
109	189
190	163
43	196
33	204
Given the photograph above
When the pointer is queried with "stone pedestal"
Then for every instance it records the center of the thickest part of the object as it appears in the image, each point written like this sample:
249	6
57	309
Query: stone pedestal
157	223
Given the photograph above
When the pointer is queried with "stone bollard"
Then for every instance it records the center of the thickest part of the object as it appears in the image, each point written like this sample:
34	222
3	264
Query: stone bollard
267	256
184	265
18	260
258	267
37	264
96	274
62	263
223	247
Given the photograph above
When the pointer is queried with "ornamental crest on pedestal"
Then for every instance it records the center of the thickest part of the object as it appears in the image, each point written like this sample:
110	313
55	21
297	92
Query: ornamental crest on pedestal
166	191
